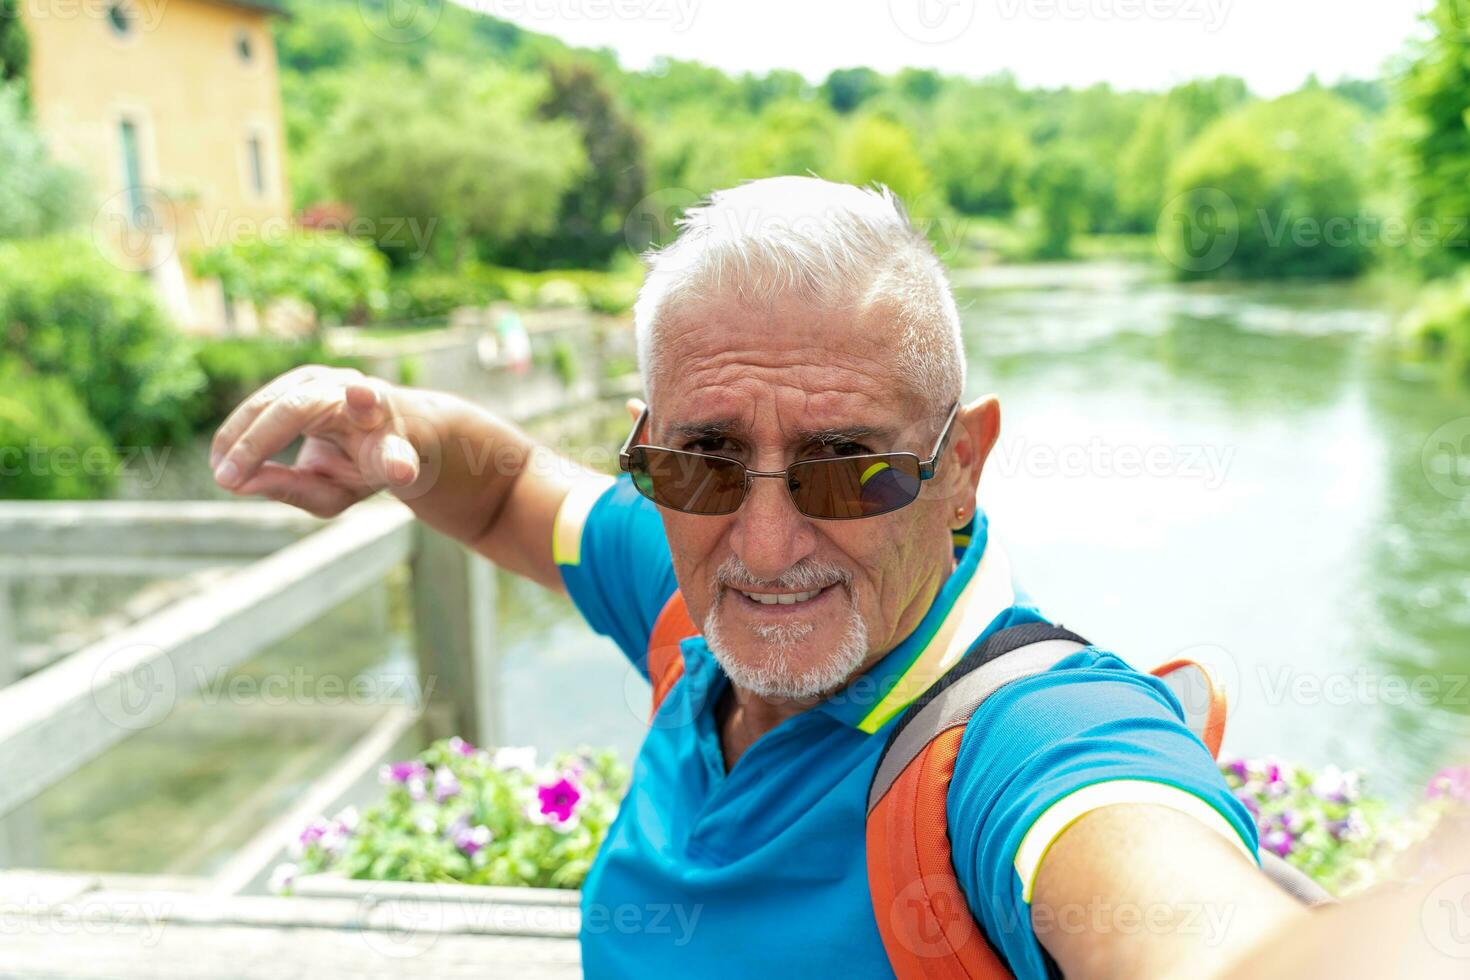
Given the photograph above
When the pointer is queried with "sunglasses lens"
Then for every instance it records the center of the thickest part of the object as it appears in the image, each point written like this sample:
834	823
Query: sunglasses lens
857	486
688	482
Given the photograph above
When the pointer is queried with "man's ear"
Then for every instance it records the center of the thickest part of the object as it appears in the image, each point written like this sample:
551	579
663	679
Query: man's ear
635	408
979	425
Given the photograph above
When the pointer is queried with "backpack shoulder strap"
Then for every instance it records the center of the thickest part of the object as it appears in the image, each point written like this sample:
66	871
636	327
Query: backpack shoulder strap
923	916
665	660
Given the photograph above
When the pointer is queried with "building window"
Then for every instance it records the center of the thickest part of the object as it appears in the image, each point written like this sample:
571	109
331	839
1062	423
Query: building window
120	18
244	47
255	160
133	173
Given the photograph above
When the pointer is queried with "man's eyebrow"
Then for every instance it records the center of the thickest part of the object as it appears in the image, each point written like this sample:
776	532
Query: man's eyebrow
719	428
708	429
844	433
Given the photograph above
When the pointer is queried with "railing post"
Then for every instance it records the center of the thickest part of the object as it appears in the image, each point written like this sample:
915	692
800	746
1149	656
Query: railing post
20	832
454	626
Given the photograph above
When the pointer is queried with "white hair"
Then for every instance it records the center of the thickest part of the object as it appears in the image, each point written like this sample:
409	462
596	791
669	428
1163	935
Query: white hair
833	245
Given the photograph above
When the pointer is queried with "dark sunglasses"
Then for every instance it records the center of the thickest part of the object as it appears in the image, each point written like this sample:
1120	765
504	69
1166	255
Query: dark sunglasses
839	488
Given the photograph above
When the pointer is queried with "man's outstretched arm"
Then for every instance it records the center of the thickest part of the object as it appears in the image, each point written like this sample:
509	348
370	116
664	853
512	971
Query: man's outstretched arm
462	470
1142	891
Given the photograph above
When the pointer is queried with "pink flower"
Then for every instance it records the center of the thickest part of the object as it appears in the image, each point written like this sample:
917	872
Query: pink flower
459	746
1451	783
402	772
559	799
1279	842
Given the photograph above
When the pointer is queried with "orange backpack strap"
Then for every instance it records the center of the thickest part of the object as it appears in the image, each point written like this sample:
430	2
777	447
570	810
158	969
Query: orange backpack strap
928	929
1201	696
665	659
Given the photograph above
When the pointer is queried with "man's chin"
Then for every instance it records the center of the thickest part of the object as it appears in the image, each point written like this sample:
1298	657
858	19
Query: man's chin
787	661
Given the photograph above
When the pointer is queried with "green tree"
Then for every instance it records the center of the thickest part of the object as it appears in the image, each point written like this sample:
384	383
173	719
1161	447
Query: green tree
1164	131
15	52
1432	128
848	88
1273	190
588	228
37	195
875	149
460	150
1055	194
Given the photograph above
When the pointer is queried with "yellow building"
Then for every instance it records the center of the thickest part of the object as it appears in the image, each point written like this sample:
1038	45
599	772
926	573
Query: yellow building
173	108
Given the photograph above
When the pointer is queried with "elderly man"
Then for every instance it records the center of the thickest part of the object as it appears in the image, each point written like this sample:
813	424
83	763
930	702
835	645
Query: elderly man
804	476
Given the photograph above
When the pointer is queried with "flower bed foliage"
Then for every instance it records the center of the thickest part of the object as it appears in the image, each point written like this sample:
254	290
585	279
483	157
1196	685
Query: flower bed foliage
474	816
495	817
1323	823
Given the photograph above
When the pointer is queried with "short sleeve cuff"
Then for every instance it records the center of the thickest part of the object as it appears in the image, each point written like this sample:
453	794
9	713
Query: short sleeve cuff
1055	819
571	519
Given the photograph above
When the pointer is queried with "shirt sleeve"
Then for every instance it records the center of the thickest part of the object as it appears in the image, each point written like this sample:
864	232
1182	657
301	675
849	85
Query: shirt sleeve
1044	751
610	546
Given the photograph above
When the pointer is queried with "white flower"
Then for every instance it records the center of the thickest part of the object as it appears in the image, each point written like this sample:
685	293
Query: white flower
522	757
283	877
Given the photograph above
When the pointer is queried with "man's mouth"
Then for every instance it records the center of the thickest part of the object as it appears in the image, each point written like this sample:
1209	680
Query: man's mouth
780	598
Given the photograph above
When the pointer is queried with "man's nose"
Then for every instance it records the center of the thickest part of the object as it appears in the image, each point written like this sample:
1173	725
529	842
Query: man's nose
770	534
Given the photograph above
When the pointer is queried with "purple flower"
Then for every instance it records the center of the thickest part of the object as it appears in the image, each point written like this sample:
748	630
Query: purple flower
1239	769
1291	822
459	746
402	772
559	799
1352	827
469	839
418	791
1278	842
446	784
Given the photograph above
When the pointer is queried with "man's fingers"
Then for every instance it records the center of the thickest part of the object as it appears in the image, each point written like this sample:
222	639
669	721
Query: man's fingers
309	492
246	412
396	460
367	404
279	424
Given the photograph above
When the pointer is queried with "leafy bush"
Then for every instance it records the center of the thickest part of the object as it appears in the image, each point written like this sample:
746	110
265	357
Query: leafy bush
462	814
337	276
235	367
67	311
1273	190
1438	327
427	293
50	449
37	195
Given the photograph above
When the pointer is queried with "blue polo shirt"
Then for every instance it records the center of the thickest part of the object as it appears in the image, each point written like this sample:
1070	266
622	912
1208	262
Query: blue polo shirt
761	870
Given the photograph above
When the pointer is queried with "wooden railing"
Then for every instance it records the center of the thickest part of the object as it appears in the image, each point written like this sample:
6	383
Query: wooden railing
287	571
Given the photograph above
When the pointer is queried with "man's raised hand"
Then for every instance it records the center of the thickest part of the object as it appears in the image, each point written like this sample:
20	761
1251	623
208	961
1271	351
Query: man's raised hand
357	440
